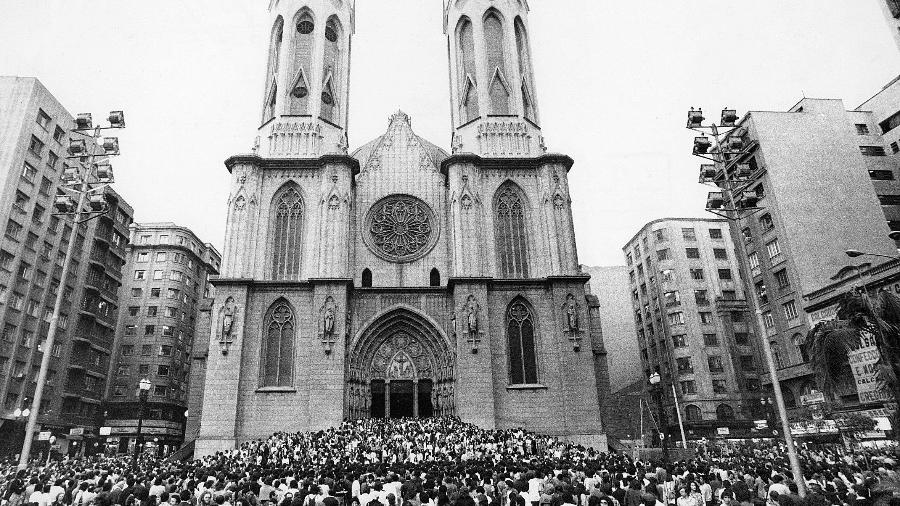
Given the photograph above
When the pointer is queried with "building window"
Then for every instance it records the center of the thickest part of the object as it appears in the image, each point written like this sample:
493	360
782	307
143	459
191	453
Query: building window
760	288
715	233
278	346
774	251
154	293
781	277
724	411
725	274
662	254
46	185
130	330
434	278
13	230
165	350
520	337
127	350
882	175
768	320
137	292
766	223
720	253
667	275
679	340
146	350
776	355
790	310
862	129
742	338
152	310
889	200
688	387
672	298
161	256
710	340
43	119
747	363
139	275
705	318
629	260
684	365
689	234
701	297
715	364
158	275
692	413
28	172
676	318
59	134
149	330
494	42
660	235
697	274
511	233
872	151
36	147
160	390
162	370
692	252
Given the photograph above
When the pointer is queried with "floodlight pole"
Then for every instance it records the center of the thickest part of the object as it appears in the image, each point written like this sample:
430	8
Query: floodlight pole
732	213
81	216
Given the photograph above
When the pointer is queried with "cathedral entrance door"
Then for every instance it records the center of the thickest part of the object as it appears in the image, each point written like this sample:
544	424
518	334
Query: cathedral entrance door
403	395
400	366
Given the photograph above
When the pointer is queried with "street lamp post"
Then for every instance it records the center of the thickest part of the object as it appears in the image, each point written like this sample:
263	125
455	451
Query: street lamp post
734	202
657	391
88	182
143	392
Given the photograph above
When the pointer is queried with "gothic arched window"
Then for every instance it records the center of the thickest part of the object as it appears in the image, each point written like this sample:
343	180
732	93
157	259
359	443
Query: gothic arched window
271	98
304	39
468	94
520	335
278	346
287	210
523	51
724	412
692	413
495	47
509	228
331	70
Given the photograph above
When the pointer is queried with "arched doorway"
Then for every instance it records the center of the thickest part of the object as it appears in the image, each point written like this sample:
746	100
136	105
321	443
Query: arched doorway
400	366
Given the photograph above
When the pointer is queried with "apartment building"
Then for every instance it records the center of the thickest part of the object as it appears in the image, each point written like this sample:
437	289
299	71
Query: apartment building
693	325
168	271
34	132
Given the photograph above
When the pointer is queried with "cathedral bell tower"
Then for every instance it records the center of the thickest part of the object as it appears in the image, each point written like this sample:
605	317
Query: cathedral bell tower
306	96
495	111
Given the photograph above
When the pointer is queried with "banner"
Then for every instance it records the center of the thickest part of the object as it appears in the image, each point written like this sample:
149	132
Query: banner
864	364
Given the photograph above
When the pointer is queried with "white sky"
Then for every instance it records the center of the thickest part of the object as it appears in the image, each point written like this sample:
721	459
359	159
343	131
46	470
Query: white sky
614	80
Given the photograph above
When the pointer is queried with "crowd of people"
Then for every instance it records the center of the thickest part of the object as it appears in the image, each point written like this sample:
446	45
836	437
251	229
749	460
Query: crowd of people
444	462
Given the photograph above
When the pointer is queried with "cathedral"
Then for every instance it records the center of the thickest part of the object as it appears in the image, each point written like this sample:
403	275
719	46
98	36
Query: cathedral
399	279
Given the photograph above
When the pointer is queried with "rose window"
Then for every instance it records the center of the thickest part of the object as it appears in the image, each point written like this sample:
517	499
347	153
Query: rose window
401	228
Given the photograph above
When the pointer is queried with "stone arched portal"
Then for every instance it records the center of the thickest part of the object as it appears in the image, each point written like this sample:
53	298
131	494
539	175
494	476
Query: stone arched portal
400	365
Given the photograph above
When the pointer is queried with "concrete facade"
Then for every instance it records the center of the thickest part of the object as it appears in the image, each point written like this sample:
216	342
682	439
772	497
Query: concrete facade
400	280
611	286
34	133
693	323
166	281
891	10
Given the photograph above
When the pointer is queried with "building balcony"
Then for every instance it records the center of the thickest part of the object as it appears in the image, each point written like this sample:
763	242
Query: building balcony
724	305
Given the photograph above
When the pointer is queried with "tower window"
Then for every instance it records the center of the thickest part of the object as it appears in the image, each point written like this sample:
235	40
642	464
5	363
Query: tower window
300	91
331	34
306	27
327	99
366	278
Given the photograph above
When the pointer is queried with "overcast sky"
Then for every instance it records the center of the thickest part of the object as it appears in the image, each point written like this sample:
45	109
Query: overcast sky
614	79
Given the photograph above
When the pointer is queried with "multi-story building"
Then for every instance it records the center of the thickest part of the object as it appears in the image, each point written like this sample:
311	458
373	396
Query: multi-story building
892	14
33	139
693	324
825	183
168	269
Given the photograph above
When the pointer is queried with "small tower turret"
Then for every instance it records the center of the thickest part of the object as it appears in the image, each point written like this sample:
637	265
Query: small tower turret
492	88
306	96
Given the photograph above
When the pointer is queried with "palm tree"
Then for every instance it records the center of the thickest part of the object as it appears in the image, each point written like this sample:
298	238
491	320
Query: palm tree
858	315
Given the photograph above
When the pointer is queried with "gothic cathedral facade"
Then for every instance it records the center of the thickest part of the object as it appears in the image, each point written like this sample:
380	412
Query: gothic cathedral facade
397	279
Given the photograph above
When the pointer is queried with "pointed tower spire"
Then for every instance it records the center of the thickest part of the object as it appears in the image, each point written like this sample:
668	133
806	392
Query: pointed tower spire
305	101
492	88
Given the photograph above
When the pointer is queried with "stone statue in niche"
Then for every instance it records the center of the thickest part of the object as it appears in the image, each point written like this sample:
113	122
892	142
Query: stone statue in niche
328	315
572	324
226	338
472	313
